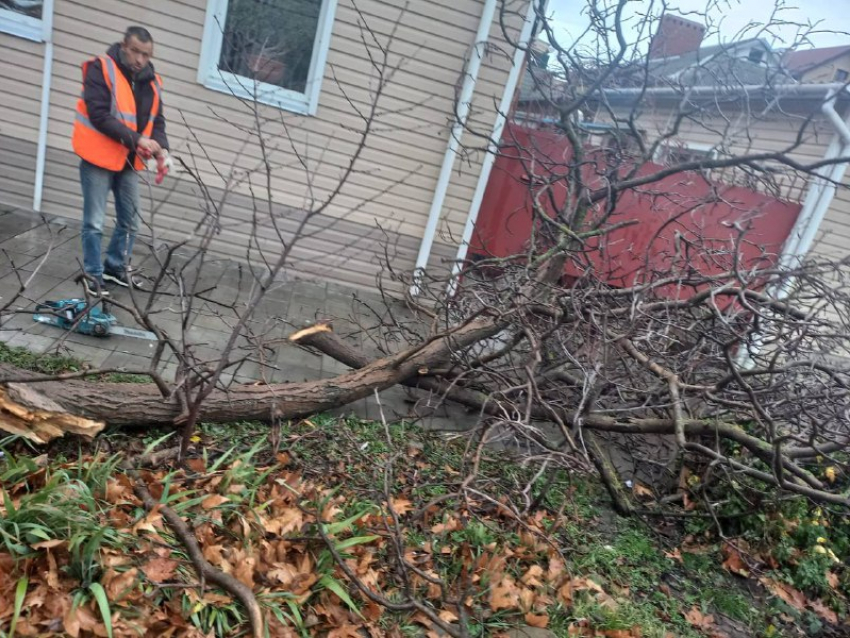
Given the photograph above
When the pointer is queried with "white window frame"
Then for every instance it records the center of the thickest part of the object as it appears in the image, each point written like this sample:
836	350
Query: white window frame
708	151
27	27
212	77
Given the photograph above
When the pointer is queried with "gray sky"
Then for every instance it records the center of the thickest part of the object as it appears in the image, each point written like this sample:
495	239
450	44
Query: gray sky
734	15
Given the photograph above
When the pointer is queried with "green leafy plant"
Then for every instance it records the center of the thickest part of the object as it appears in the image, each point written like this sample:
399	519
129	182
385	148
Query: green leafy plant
103	604
20	595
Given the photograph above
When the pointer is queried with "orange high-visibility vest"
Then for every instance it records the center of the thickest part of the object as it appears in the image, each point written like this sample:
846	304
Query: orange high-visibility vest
97	148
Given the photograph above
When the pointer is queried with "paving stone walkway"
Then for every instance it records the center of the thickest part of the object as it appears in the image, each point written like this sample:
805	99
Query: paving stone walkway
45	252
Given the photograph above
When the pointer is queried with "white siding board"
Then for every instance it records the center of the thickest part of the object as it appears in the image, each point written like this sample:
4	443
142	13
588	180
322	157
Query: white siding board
20	87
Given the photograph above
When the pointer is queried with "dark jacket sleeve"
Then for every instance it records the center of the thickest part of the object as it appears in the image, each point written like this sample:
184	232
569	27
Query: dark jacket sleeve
99	102
158	134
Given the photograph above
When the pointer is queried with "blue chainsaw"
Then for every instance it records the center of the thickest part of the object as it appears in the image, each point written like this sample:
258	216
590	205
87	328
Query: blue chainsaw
85	318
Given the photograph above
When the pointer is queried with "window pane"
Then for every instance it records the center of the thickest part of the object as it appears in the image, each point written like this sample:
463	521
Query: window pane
270	40
31	8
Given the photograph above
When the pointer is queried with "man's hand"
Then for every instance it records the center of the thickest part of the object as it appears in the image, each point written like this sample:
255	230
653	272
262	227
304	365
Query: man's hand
147	147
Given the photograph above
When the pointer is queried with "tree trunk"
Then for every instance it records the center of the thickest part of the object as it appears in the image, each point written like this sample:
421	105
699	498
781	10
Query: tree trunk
123	404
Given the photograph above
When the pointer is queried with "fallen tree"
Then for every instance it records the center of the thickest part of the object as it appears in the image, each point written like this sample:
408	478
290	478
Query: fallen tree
732	356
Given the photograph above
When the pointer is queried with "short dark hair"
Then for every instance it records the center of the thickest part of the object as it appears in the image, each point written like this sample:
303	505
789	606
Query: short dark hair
140	33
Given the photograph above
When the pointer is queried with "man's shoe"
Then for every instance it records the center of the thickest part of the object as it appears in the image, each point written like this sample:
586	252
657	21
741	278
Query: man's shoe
94	288
125	279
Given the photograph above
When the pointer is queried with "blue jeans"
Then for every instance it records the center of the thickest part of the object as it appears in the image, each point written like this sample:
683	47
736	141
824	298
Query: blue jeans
96	183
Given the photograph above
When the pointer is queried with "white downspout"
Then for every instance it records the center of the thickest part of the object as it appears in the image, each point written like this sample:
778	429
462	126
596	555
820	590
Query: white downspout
813	198
44	116
804	231
463	107
815	208
495	139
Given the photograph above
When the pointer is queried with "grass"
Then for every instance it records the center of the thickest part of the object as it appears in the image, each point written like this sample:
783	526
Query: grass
52	363
44	363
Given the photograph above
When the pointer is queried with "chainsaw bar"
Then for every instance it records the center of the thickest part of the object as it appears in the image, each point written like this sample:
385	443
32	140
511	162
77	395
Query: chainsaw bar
132	332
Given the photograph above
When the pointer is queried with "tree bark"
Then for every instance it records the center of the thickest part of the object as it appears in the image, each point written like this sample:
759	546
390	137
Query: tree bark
124	404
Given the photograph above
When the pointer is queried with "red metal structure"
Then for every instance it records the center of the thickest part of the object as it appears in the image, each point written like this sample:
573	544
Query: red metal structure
684	217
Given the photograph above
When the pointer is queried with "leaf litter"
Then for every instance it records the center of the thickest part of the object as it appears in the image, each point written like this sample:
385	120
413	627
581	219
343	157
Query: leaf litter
261	518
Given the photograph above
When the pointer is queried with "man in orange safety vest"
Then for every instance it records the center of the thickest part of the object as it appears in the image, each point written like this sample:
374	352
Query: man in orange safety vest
119	125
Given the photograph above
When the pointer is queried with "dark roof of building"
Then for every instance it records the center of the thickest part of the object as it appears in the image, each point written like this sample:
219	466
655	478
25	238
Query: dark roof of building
802	60
539	84
748	62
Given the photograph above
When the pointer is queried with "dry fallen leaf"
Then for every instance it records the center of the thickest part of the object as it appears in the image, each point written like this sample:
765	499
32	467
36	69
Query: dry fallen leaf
541	621
159	569
72	623
345	631
832	579
52	572
792	596
244	572
451	525
556	568
213	501
401	505
824	612
504	595
641	491
197	465
527	598
152	522
734	562
372	611
698	619
676	554
214	554
117	584
448	616
565	593
532	577
587	583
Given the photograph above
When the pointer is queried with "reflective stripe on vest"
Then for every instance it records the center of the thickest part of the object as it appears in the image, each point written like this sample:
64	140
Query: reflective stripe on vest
97	148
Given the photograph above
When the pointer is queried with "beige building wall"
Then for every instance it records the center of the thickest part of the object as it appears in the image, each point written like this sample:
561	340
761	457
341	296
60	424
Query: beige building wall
827	72
833	240
393	184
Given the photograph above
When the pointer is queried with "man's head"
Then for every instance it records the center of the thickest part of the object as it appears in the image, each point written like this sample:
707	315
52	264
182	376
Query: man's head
137	48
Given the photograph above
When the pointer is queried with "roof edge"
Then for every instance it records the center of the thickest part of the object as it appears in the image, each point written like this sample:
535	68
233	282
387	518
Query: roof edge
804	91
